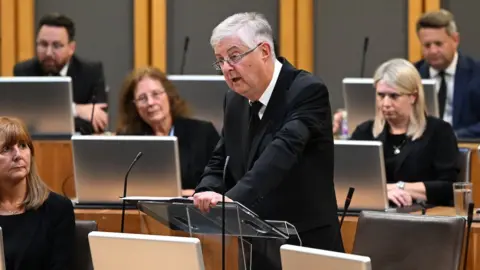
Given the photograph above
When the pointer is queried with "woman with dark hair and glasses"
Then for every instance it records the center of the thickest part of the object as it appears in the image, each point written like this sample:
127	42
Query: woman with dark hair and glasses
420	151
150	105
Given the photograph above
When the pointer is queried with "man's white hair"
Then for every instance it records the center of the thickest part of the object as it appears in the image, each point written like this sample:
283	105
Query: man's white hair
251	27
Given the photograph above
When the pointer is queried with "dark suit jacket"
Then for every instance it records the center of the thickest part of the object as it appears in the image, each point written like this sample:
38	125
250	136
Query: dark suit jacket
466	97
88	83
431	159
196	141
288	174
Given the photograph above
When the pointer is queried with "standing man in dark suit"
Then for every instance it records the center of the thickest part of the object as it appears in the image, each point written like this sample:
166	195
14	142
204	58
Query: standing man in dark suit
457	75
278	134
55	48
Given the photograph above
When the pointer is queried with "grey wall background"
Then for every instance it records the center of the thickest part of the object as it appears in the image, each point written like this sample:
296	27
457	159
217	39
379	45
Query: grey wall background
339	36
104	33
468	22
197	19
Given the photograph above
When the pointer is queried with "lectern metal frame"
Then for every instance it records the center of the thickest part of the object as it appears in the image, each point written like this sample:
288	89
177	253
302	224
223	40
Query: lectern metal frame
181	215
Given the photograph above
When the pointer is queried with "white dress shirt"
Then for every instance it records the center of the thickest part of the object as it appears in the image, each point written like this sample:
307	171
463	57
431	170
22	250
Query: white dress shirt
268	92
450	80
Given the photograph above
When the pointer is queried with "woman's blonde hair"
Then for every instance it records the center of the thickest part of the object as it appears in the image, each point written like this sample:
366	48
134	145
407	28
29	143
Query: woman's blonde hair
13	131
404	77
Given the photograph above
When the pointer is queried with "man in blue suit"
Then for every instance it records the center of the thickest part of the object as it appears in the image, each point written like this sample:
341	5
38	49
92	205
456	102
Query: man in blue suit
457	75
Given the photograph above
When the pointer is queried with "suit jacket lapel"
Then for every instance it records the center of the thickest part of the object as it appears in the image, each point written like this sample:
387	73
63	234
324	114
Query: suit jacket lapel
462	78
273	107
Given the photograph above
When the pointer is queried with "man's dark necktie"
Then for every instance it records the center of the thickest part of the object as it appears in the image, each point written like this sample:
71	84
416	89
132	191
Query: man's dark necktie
254	120
442	94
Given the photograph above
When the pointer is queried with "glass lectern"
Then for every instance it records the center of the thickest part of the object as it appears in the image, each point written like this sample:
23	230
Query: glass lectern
180	214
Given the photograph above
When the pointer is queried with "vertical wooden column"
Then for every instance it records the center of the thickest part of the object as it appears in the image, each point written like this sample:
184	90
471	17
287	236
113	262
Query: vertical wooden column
8	37
287	30
141	33
158	34
304	33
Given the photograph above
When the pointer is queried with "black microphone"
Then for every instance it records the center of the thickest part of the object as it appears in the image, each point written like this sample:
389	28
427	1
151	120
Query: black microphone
184	55
348	199
125	188
364	54
469	226
223	209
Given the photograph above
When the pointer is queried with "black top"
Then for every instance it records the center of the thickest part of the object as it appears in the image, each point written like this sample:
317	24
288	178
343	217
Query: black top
431	159
42	238
196	141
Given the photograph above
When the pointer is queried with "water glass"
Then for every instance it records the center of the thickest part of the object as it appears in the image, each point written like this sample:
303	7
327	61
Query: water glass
462	195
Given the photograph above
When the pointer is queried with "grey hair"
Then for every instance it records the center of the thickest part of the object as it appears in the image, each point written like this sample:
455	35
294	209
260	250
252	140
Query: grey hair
438	19
251	27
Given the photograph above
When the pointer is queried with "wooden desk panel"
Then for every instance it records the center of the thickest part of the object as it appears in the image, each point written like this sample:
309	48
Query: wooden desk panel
55	165
109	220
136	222
474	170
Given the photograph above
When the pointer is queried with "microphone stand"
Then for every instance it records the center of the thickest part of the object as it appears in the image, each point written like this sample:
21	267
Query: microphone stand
223	210
469	226
125	189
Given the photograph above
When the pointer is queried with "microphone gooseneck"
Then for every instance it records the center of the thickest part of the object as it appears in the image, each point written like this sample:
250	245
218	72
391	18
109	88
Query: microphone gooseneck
224	190
125	188
469	227
184	54
346	205
364	55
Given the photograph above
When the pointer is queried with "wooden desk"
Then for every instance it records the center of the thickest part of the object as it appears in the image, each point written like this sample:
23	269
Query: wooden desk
136	222
109	220
474	169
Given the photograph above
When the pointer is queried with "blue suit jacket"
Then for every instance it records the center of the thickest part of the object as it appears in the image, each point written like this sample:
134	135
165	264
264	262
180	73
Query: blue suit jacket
466	96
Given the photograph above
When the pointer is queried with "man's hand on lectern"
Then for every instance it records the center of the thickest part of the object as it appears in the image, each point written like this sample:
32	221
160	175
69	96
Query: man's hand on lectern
205	200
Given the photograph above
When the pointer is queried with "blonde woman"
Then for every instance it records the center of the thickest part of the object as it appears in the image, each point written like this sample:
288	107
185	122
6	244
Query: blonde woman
38	225
420	151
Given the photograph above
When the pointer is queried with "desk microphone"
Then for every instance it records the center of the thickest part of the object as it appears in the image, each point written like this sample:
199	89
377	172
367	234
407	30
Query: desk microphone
223	209
184	54
469	226
364	54
125	188
348	199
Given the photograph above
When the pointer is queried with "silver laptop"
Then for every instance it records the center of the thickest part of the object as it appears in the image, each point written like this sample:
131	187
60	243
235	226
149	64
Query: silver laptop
101	162
360	164
204	94
296	258
359	96
44	104
121	251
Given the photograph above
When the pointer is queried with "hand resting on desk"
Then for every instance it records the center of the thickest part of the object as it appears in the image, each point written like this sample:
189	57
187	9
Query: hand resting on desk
399	197
205	200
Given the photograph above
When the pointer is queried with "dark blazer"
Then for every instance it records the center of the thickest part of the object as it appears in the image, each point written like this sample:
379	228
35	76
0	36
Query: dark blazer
288	172
431	159
41	239
88	83
196	141
466	97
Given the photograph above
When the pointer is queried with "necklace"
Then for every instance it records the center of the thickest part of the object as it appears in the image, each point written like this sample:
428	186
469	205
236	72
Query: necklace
397	149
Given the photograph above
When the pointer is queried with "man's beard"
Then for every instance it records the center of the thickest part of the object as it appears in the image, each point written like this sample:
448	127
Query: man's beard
53	69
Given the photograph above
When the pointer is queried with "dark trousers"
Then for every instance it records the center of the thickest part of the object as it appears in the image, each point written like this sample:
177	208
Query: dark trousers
266	252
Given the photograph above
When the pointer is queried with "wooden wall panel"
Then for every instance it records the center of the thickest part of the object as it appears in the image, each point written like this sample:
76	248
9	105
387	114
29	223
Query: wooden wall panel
25	29
415	10
287	29
158	34
304	33
7	30
141	33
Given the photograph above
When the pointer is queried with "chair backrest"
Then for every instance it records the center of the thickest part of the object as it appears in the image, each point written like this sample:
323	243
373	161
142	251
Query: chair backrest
464	163
83	257
407	241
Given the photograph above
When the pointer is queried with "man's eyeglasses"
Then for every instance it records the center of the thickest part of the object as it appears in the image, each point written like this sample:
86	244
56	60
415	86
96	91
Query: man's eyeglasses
233	59
43	45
